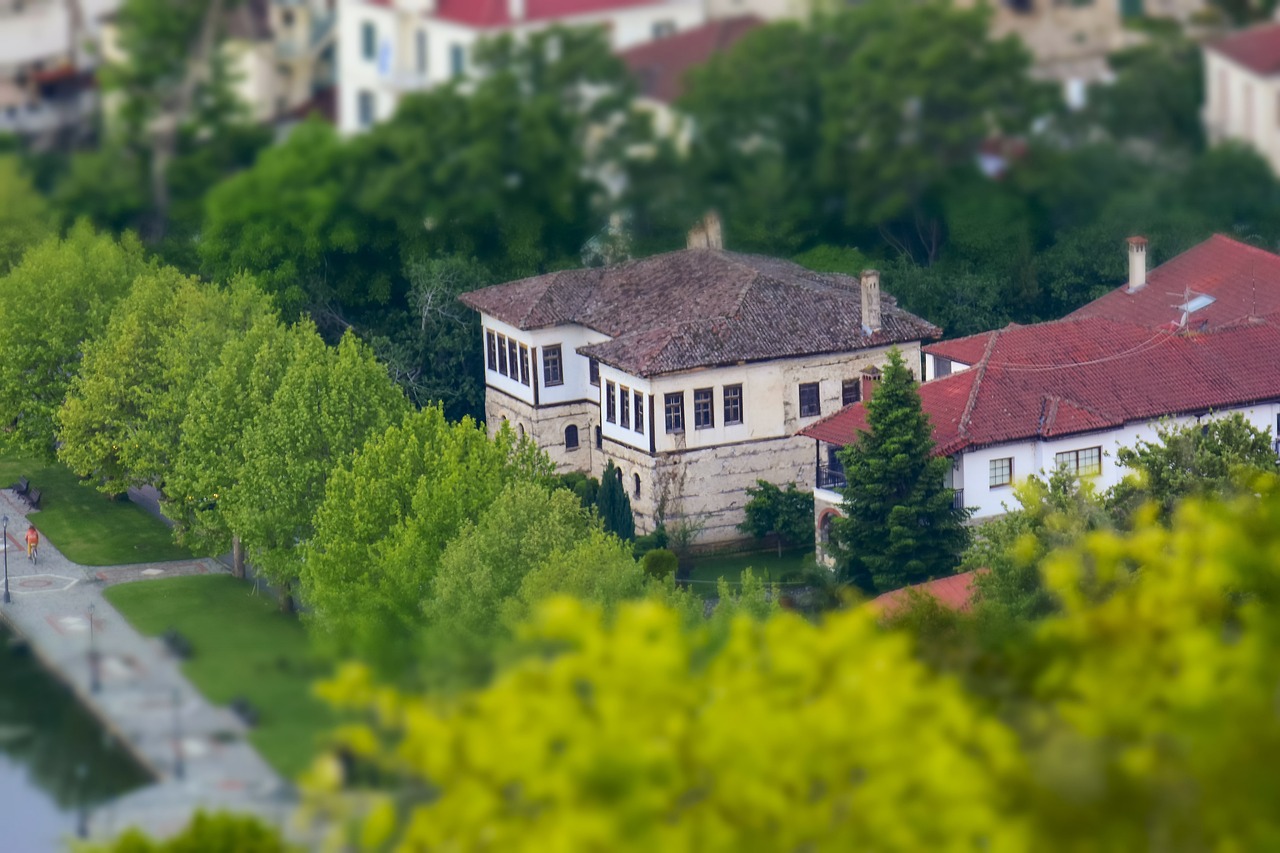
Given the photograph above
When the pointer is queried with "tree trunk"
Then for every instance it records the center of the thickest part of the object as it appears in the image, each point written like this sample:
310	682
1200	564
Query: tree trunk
287	604
237	557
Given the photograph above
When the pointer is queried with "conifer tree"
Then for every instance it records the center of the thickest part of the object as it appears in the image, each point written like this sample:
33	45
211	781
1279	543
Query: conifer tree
899	525
614	505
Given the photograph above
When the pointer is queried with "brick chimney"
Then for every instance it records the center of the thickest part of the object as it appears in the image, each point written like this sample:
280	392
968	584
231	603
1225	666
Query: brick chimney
707	234
1137	263
870	301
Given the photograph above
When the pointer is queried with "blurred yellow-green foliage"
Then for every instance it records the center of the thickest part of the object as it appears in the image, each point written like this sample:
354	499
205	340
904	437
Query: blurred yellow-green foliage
1143	716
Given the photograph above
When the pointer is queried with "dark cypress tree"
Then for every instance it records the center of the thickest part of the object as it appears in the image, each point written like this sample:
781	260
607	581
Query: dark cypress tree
900	526
614	505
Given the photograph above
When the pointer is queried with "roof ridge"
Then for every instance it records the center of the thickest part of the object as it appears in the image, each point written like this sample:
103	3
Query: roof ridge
981	368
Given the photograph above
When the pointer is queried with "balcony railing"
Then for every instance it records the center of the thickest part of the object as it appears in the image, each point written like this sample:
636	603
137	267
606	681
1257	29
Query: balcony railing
831	476
958	500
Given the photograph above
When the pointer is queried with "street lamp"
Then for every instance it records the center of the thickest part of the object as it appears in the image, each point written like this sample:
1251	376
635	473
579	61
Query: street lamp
4	537
95	683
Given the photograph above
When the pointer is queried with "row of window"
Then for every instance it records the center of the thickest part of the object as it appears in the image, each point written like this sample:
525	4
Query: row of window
624	407
511	358
369	50
811	396
1086	462
704	416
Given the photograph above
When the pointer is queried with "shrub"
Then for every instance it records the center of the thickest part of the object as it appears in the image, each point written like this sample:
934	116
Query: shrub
659	563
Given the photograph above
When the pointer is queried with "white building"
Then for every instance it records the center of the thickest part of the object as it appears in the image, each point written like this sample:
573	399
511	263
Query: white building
1025	399
47	59
386	48
1242	90
691	371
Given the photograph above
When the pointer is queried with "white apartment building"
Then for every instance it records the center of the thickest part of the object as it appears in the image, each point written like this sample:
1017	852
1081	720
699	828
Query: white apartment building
386	48
691	371
1025	399
47	61
1242	90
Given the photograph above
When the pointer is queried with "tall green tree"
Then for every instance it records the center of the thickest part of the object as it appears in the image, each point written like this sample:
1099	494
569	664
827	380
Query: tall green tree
121	422
212	452
614	505
900	525
51	305
385	521
785	514
329	402
25	218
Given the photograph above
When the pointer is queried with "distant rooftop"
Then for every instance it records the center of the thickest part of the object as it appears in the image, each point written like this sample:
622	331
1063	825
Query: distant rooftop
701	308
660	66
1257	48
954	593
497	13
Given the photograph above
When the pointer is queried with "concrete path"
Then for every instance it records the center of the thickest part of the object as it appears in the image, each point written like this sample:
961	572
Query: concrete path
197	751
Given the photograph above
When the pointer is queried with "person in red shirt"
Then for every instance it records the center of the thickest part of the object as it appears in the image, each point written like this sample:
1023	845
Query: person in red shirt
33	541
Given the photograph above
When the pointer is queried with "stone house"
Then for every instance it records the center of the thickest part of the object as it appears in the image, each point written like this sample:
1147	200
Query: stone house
691	371
1197	337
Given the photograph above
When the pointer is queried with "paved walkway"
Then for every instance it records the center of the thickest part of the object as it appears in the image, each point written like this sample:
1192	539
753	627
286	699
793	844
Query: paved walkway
196	751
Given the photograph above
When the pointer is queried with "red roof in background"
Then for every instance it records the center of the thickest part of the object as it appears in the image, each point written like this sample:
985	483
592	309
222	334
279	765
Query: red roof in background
1073	376
496	13
954	593
660	66
1257	48
1243	280
964	350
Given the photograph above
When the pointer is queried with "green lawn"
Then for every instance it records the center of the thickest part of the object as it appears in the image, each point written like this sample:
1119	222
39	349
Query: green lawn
244	647
707	570
86	525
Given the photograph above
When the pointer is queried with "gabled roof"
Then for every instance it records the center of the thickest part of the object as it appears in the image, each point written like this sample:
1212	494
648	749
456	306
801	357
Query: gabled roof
660	66
1243	280
497	13
1257	48
700	308
1079	376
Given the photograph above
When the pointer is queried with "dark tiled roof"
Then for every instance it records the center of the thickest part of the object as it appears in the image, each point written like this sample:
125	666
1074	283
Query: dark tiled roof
1257	48
1243	280
1078	376
660	66
700	308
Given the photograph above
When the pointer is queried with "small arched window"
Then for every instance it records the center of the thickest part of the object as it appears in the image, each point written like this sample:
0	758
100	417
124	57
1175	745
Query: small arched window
637	485
520	429
618	472
570	437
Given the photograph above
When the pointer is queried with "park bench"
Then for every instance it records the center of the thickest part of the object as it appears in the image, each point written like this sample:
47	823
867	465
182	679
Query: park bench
243	709
32	497
178	645
21	487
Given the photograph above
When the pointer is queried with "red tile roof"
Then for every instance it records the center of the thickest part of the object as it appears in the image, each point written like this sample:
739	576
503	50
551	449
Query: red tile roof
964	350
497	13
1076	376
660	66
1257	49
700	308
954	593
1243	280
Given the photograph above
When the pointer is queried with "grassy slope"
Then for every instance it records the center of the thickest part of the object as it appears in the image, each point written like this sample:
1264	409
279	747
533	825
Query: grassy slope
86	525
243	647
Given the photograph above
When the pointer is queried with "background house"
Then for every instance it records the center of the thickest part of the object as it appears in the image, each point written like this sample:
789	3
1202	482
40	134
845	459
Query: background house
1242	90
386	48
692	371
